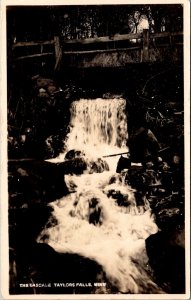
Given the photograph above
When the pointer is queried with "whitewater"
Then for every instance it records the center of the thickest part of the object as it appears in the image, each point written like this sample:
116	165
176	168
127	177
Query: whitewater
90	221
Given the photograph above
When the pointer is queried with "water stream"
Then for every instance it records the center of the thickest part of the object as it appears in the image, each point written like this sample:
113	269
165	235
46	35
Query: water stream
90	220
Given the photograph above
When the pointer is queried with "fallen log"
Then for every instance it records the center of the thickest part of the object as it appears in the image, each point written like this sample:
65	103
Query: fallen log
159	151
116	154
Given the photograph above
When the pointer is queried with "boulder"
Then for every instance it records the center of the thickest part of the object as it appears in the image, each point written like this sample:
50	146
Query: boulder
44	265
123	163
98	166
74	166
76	160
167	259
169	211
143	145
71	154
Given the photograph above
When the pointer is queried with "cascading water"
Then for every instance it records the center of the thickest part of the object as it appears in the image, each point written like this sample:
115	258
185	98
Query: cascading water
98	123
90	220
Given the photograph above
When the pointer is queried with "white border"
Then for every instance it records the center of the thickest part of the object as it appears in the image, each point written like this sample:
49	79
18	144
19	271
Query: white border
3	148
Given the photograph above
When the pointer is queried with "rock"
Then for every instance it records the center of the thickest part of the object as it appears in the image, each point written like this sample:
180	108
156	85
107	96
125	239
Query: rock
63	271
28	224
41	263
41	90
51	89
74	166
95	212
167	259
134	177
44	82
37	181
74	154
169	212
76	159
123	163
42	93
143	146
121	199
109	95
98	166
54	145
45	86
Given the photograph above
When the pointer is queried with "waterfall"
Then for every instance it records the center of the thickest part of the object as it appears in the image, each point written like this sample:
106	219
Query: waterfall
98	125
90	221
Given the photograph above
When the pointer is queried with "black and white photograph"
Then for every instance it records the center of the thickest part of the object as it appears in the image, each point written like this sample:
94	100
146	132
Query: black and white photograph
96	150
